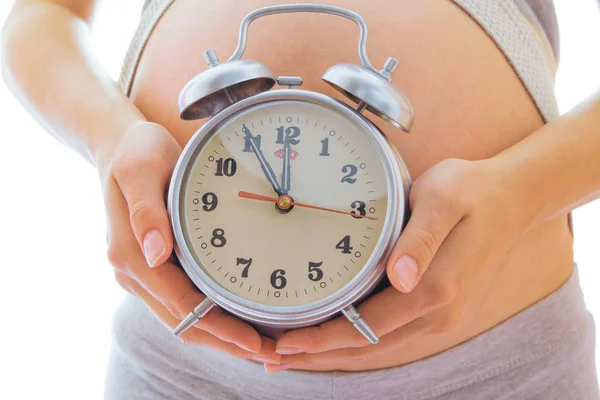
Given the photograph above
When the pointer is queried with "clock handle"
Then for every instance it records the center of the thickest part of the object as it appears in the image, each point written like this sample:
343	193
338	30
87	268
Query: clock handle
360	324
313	8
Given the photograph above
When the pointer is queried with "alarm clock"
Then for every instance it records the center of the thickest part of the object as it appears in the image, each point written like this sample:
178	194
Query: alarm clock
286	203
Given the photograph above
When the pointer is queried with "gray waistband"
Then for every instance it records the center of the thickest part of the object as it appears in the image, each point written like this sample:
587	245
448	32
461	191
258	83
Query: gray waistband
547	347
153	11
554	325
508	27
501	19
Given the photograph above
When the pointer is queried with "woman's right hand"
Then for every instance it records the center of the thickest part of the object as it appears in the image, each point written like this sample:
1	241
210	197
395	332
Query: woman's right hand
135	173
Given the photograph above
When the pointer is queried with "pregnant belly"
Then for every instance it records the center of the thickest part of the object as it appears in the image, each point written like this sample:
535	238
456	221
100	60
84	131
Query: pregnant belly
468	102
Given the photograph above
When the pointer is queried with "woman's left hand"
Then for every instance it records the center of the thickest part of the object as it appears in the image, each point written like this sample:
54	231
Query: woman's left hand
462	224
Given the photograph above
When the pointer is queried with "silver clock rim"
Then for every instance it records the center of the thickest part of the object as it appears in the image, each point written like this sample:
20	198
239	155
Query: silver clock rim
397	182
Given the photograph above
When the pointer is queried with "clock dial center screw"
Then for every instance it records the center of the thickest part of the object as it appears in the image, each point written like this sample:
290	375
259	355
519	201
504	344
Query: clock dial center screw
284	204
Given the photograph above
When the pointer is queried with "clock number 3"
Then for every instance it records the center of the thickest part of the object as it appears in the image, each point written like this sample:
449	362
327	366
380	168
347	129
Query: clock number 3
360	207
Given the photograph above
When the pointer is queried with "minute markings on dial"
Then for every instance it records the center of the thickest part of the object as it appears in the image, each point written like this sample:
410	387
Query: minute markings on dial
353	153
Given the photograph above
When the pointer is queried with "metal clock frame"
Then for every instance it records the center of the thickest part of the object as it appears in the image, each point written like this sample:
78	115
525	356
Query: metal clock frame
397	181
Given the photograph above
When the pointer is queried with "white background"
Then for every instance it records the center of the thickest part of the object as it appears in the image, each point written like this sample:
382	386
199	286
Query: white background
57	292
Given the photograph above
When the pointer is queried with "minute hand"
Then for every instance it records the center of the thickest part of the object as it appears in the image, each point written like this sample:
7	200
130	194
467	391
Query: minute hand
268	171
285	175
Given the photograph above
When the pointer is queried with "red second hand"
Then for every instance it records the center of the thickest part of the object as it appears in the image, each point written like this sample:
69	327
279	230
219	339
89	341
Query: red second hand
247	195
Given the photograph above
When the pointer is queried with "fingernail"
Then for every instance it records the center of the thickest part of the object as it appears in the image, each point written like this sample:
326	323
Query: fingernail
287	350
154	247
406	270
272	368
265	360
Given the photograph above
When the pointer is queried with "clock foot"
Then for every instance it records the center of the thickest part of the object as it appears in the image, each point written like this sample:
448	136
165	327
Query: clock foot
200	311
360	324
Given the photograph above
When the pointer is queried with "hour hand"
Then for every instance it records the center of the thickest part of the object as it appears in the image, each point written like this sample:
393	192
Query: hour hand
285	175
264	164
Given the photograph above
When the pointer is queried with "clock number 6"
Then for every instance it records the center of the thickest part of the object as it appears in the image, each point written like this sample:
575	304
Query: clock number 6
278	280
315	274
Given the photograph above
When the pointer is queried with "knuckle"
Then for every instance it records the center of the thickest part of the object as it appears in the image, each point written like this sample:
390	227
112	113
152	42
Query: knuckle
177	308
123	167
126	168
425	243
116	257
448	323
442	293
444	184
140	212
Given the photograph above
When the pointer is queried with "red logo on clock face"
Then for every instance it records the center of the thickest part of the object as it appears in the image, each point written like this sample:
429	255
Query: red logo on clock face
293	154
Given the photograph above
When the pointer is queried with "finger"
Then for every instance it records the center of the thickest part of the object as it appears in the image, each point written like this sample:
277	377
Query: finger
385	312
267	353
143	177
431	221
169	284
364	356
192	336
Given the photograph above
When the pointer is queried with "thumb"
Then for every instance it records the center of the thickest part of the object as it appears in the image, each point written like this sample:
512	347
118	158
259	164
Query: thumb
427	228
144	182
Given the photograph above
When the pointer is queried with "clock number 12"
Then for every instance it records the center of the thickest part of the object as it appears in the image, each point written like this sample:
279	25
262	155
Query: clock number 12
291	132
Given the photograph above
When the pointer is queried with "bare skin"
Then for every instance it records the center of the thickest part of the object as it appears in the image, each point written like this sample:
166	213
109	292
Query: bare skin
498	227
469	105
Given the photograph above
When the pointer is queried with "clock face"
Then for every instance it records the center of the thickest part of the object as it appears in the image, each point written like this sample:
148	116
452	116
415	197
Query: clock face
284	203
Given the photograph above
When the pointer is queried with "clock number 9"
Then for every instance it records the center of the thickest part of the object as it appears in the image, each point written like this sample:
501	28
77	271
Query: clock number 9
278	280
315	274
291	132
210	201
218	239
351	171
360	207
